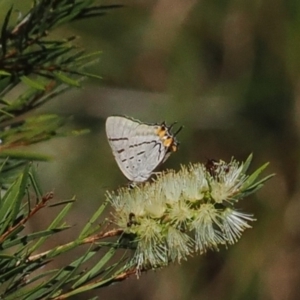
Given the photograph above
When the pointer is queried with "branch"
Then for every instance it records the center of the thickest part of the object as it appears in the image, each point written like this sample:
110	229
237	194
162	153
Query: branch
38	207
88	240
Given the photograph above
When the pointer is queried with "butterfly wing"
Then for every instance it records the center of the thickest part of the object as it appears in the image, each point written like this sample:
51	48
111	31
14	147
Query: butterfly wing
146	152
118	131
137	147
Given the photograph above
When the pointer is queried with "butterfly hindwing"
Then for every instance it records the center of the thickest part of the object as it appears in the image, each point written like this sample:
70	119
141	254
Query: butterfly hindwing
146	152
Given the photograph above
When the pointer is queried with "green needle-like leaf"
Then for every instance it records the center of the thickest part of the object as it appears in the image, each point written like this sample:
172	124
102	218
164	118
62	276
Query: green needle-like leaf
55	223
247	163
253	177
66	79
97	269
10	204
87	228
24	240
32	83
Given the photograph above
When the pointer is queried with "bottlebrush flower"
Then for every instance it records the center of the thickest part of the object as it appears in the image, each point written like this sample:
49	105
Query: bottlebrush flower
181	213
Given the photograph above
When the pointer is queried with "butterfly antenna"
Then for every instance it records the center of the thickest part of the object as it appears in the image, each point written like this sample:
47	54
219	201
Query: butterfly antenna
171	126
179	129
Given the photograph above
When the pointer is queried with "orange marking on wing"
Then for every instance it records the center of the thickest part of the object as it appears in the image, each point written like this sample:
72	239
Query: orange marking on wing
166	138
168	142
161	132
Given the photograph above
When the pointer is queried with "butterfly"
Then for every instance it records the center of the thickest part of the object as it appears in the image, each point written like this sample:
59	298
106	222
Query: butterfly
139	148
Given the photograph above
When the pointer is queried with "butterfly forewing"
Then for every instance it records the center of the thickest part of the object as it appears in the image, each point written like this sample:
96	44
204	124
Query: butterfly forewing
118	130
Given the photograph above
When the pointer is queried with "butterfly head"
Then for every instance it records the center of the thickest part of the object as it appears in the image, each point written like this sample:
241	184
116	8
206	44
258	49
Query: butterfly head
167	137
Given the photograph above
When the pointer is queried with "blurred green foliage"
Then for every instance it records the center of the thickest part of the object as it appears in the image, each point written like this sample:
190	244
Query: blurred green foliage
35	67
229	72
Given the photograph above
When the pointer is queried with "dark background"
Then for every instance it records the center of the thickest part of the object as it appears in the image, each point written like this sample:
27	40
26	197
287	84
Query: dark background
229	72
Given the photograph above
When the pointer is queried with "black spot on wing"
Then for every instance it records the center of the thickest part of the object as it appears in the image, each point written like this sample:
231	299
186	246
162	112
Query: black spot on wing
118	139
140	153
142	143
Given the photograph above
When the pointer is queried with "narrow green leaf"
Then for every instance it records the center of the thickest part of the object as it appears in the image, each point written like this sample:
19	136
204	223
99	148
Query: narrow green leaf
11	201
262	181
96	269
10	171
13	234
250	190
4	73
35	184
22	294
21	194
40	276
7	201
48	286
66	79
31	83
66	273
89	55
24	240
53	225
13	154
256	186
4	31
12	272
247	163
62	202
1	168
60	88
6	113
253	177
37	292
2	101
97	284
97	214
7	256
90	75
